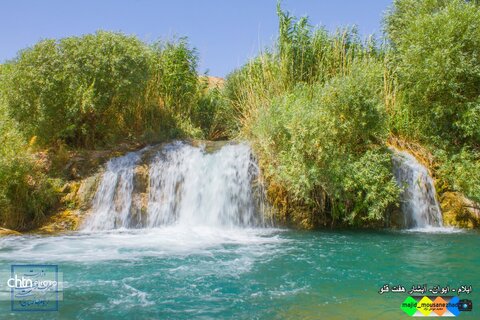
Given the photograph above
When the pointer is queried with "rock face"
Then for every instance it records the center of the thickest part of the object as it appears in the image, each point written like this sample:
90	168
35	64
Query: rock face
140	196
76	203
8	232
459	211
82	194
84	169
79	195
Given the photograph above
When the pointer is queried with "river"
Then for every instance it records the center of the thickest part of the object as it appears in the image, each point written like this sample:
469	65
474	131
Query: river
205	273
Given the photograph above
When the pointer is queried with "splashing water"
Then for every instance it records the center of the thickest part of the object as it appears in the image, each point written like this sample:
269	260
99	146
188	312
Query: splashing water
187	186
418	199
192	187
113	200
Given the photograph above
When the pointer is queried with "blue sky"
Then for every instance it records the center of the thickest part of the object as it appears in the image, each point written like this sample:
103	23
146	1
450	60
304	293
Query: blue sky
225	33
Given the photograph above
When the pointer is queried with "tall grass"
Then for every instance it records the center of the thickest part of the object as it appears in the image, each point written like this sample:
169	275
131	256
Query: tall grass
314	107
301	55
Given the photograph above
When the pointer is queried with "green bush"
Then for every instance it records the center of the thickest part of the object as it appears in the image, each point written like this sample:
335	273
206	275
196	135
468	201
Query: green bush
436	50
99	88
84	92
26	193
329	137
462	171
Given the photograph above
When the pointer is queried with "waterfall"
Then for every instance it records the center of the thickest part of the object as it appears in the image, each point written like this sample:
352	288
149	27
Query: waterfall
186	186
113	199
418	200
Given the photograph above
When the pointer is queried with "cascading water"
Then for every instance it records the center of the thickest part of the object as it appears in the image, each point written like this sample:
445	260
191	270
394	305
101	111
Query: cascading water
418	200
187	186
192	187
113	200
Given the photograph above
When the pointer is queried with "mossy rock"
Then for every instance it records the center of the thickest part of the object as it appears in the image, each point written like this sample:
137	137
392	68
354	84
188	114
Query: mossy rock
459	211
70	191
140	195
9	232
68	220
86	191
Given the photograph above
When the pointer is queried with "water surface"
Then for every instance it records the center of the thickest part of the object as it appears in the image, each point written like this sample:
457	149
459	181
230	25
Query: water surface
206	273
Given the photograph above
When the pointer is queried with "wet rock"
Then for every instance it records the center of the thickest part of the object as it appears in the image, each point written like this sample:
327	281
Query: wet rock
86	191
459	211
396	219
140	196
8	232
68	220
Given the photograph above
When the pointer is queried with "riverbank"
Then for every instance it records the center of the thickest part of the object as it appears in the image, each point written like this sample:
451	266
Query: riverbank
80	196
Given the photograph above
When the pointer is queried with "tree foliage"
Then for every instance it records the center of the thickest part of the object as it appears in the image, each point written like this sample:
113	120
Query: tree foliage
101	87
436	47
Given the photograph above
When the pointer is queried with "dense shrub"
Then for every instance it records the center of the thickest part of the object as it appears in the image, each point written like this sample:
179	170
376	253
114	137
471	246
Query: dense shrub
462	171
98	88
436	50
328	137
27	195
435	53
314	108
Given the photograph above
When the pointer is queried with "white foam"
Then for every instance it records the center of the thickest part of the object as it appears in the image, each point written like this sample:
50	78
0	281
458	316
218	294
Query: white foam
430	229
133	244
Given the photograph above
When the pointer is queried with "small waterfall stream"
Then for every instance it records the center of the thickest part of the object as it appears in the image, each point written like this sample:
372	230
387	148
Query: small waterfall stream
418	200
179	184
186	186
113	200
